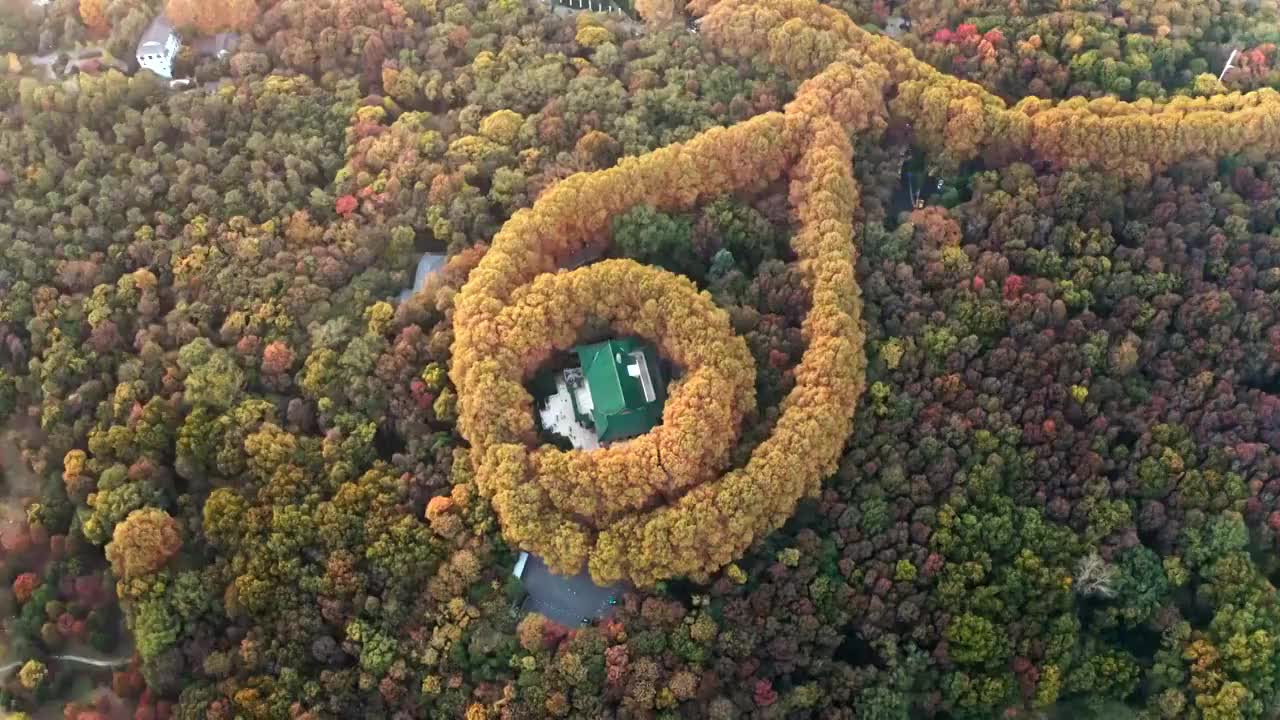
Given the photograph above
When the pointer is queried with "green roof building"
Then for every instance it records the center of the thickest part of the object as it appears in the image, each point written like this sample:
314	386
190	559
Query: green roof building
625	387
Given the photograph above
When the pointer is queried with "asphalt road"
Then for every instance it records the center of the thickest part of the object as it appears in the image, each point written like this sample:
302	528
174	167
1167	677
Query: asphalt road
567	600
427	264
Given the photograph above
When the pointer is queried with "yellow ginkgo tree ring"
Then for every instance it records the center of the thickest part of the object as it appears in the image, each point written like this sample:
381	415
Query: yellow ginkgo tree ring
653	507
855	82
716	391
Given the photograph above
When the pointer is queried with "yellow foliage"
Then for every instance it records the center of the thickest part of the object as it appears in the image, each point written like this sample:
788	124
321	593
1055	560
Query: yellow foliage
957	120
73	464
473	148
514	312
432	685
371	114
658	12
207	17
378	316
654	507
735	573
502	126
592	36
143	543
32	674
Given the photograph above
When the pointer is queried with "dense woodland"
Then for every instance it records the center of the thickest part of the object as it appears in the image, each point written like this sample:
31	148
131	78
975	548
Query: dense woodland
231	456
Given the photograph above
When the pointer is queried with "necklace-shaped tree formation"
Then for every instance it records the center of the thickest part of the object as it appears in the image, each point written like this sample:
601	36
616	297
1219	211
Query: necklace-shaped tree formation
665	505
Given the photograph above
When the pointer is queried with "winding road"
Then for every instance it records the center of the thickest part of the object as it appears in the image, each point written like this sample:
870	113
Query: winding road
106	663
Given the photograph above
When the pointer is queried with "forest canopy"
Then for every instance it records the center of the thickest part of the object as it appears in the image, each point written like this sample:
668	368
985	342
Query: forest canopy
972	307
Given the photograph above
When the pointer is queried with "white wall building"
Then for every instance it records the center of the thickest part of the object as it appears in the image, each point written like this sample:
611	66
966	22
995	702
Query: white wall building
558	416
158	47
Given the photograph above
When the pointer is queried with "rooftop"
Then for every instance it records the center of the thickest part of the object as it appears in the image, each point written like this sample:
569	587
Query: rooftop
627	392
158	31
617	392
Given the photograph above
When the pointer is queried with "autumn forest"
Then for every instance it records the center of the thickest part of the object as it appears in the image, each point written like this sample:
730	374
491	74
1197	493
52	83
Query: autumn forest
967	315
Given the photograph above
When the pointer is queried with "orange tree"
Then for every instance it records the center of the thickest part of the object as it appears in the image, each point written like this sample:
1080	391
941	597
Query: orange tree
93	14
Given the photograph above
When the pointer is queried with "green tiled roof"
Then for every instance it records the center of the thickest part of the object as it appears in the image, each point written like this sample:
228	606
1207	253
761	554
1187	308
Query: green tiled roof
621	406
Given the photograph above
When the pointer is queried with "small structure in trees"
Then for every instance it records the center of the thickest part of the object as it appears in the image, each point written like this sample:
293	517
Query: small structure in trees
218	45
158	47
616	392
624	387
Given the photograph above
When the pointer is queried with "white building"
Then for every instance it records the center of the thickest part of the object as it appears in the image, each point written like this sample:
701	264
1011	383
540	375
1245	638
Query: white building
558	415
523	560
158	47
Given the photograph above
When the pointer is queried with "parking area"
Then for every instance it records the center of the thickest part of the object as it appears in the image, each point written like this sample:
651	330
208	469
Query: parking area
567	600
